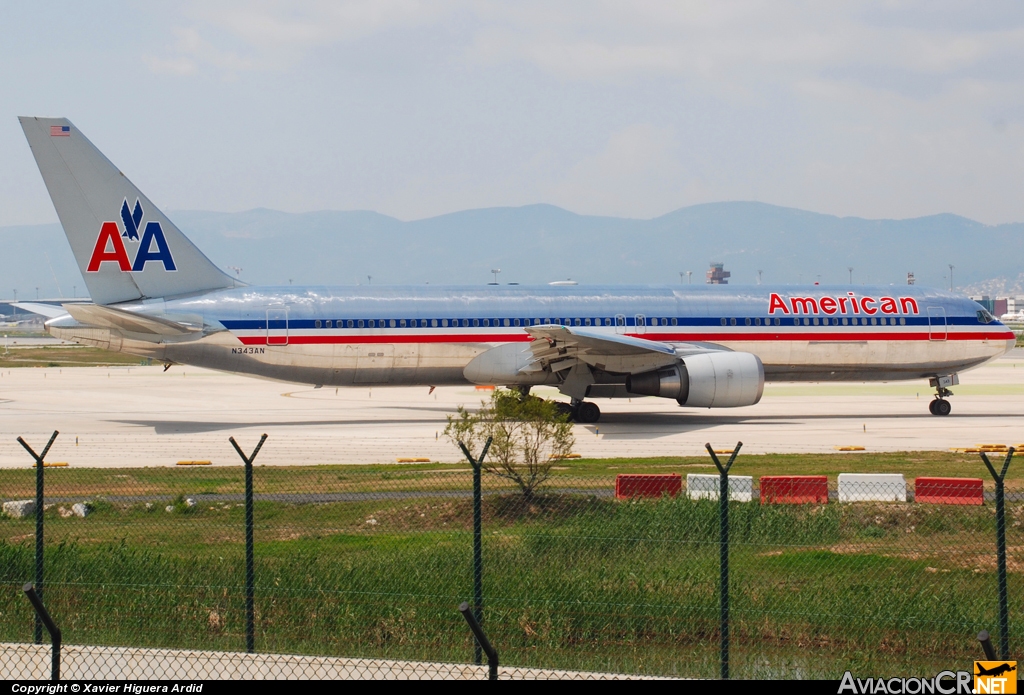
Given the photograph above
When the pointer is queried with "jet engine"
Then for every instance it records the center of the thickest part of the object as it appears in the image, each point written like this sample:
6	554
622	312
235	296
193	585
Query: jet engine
708	380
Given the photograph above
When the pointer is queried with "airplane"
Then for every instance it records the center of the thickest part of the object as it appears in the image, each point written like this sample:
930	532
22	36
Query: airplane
154	294
999	670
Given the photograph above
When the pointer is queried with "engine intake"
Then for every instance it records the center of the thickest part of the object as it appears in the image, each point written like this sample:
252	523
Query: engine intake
708	380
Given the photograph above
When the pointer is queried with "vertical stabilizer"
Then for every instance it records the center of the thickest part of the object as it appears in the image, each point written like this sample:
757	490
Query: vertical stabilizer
125	247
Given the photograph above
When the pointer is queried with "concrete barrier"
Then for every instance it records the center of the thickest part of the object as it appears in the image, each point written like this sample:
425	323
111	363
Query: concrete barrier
969	491
794	489
702	486
629	485
872	487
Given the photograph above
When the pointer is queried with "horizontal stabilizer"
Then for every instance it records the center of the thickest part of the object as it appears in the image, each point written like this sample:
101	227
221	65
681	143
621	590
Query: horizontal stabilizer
108	317
50	311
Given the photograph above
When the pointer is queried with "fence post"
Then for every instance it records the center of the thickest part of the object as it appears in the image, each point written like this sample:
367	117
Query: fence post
723	551
38	635
1004	608
250	571
478	559
51	627
481	641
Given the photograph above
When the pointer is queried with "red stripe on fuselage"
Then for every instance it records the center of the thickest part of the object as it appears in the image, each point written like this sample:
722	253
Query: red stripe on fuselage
831	337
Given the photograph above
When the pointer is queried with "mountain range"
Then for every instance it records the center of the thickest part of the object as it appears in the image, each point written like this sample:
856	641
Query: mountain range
544	243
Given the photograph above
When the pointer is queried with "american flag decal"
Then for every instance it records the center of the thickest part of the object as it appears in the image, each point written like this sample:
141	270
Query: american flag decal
60	130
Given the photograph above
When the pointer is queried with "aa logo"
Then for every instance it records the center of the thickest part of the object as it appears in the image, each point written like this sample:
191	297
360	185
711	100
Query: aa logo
110	245
995	676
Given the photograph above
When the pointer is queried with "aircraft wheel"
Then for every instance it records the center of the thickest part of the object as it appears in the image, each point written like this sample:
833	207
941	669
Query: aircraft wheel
931	406
588	412
942	407
565	409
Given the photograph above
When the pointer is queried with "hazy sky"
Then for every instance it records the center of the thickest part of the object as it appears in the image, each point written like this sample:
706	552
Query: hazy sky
874	109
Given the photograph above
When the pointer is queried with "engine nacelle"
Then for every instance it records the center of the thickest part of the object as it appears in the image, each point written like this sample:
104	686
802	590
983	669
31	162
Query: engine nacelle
707	380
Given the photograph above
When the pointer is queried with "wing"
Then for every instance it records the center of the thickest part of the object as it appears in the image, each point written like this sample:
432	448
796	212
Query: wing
559	347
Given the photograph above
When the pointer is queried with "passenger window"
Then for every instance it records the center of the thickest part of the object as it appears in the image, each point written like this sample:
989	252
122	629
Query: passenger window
476	322
845	321
815	321
318	323
359	323
746	321
586	322
487	322
723	322
778	322
757	322
807	322
732	322
506	322
654	322
874	322
515	322
675	322
576	322
328	323
620	320
903	322
392	323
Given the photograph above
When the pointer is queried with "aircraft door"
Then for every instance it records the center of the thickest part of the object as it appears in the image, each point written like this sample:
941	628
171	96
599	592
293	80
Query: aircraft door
620	323
936	323
277	325
641	324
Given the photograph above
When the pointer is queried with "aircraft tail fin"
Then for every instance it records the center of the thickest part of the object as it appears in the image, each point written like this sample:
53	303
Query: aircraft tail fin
126	248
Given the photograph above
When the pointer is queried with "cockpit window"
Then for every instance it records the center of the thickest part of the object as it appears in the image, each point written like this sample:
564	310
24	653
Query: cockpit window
985	317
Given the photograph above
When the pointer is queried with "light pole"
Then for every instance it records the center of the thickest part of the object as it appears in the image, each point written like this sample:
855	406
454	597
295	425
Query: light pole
689	277
681	277
851	274
950	277
74	291
37	290
759	276
495	272
369	279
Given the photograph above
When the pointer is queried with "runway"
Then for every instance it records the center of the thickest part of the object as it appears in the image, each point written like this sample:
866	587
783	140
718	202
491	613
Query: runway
142	416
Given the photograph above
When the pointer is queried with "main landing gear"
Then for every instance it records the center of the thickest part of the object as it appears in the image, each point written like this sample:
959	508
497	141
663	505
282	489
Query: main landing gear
939	405
584	411
581	411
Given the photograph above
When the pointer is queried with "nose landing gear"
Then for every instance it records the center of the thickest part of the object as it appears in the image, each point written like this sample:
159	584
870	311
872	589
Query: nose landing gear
939	405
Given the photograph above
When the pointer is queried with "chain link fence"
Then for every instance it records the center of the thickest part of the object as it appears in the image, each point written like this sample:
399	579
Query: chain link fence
602	571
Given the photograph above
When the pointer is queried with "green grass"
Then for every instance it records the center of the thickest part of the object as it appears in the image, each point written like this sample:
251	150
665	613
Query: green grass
571	581
65	356
598	473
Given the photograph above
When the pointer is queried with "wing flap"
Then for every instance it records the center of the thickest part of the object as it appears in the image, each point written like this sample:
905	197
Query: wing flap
557	347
